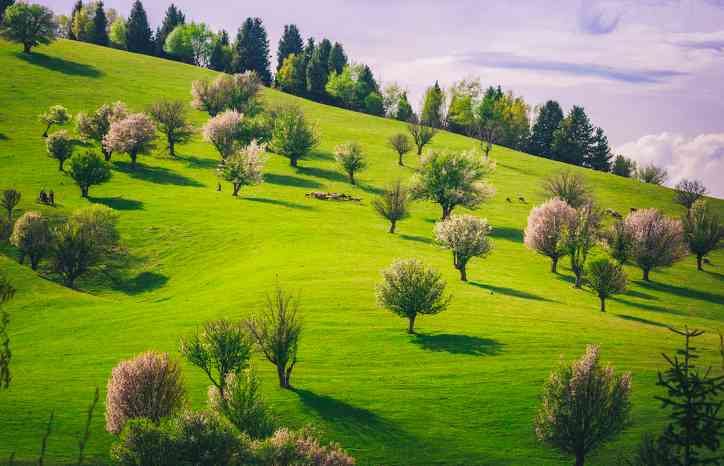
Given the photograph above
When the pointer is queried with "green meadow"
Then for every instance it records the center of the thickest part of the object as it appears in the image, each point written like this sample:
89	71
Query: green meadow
463	391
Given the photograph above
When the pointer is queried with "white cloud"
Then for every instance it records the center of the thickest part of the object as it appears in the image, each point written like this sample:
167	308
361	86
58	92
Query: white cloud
700	157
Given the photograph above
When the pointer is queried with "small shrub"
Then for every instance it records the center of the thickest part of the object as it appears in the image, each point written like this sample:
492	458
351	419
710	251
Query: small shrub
545	232
350	158
133	135
87	170
147	386
605	279
467	237
60	147
143	442
656	241
242	404
392	204
293	137
203	438
652	174
409	288
400	143
10	200
568	187
31	235
244	168
287	447
702	231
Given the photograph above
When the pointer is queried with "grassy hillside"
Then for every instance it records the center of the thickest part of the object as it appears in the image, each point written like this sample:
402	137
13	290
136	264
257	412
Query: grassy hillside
464	391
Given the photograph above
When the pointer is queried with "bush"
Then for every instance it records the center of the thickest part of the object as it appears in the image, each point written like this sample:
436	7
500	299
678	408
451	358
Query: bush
702	231
30	25
687	192
87	170
467	237
171	116
545	232
605	279
244	168
96	125
350	158
656	241
55	115
133	135
392	204
652	174
584	405
293	137
100	224
400	143
287	448
31	235
147	386
617	240
224	131
10	199
453	179
242	404
60	147
409	288
568	187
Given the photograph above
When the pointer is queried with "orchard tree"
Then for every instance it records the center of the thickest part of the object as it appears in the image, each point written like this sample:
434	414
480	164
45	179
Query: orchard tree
350	158
400	143
88	169
652	174
582	233
546	229
656	241
31	235
30	25
244	167
605	279
223	131
466	237
277	331
409	288
171	117
10	200
392	204
96	125
60	147
687	192
239	92
617	240
569	187
55	115
702	230
133	135
421	134
293	137
584	405
453	179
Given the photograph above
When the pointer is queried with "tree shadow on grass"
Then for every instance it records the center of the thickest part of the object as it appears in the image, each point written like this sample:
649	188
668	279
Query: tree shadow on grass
318	155
288	180
511	292
368	188
715	275
323	173
648	307
641	320
279	202
118	203
141	283
419	239
3	137
59	64
197	162
683	292
458	344
638	294
511	234
158	175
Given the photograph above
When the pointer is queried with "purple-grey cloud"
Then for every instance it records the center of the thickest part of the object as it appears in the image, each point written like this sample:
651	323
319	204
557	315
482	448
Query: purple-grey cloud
598	19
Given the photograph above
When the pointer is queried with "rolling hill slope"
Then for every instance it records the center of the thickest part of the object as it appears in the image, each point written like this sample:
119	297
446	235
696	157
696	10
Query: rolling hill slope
464	391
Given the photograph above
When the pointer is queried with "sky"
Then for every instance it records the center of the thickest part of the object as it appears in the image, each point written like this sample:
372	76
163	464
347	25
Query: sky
649	72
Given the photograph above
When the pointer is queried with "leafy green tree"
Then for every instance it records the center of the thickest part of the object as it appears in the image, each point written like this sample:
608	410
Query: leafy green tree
60	147
409	288
652	174
291	77
374	105
251	51
88	169
401	144
171	117
605	279
488	118
290	43
573	139
466	237
342	88
31	235
617	240
581	235
293	137
99	33
702	231
4	4
317	73
337	58
119	34
432	107
365	84
173	18
192	43
695	399
30	25
547	121
404	109
569	187
393	203
463	95
77	10
96	125
599	157
350	158
687	192
10	199
623	166
138	33
6	294
243	404
55	115
221	56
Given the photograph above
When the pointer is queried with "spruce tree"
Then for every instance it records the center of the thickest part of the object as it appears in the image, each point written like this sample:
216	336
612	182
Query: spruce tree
290	43
600	155
100	26
217	61
251	51
432	107
366	84
572	141
337	59
317	72
77	8
174	17
404	109
138	32
224	38
549	119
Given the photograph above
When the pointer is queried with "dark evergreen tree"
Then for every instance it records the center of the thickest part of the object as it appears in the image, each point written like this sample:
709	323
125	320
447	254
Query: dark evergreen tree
366	84
224	38
77	8
404	109
290	43
4	4
623	166
251	50
100	26
337	58
432	107
218	59
600	155
547	122
174	17
139	38
316	76
572	141
308	51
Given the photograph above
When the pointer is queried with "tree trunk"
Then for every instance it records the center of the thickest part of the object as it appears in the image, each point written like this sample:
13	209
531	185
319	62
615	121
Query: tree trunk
445	212
107	154
293	161
27	47
463	273
84	191
699	258
236	189
603	303
399	161
171	147
47	128
392	226
646	275
351	178
411	326
419	150
283	377
554	264
133	160
60	165
580	459
579	279
22	257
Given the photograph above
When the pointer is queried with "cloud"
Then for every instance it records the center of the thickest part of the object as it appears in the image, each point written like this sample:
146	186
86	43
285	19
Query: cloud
611	73
702	41
599	17
700	157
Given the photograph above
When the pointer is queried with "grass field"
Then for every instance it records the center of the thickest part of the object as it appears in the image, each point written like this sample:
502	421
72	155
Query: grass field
464	391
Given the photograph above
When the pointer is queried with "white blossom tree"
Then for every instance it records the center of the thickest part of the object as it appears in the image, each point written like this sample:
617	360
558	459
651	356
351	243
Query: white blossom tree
466	237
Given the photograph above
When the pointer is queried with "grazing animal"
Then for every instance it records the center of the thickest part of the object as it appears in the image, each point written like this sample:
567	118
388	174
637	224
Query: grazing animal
332	196
614	214
522	199
633	209
508	199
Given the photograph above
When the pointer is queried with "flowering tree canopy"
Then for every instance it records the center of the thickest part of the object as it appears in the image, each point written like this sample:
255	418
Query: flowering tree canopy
31	235
96	125
656	240
223	131
546	229
702	231
350	158
134	135
466	236
245	167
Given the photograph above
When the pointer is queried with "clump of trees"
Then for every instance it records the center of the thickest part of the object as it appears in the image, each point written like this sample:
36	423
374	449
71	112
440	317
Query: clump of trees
55	115
702	231
546	229
239	92
292	136
409	288
393	204
192	43
28	24
133	135
652	174
95	126
10	199
605	279
623	166
656	240
584	405
581	235
171	117
60	147
569	187
149	386
466	237
244	167
88	169
453	179
350	158
400	143
31	235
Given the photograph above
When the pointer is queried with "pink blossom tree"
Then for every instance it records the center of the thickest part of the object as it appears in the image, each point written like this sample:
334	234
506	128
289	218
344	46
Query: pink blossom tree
656	240
133	135
96	125
546	229
245	167
223	131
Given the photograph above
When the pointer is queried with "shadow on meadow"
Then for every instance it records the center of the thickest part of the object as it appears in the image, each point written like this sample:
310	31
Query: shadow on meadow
3	137
368	188
279	202
457	344
511	292
641	320
419	239
141	283
323	173
158	175
648	307
59	65
511	234
683	292
289	180
639	294
715	275
197	162
118	203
